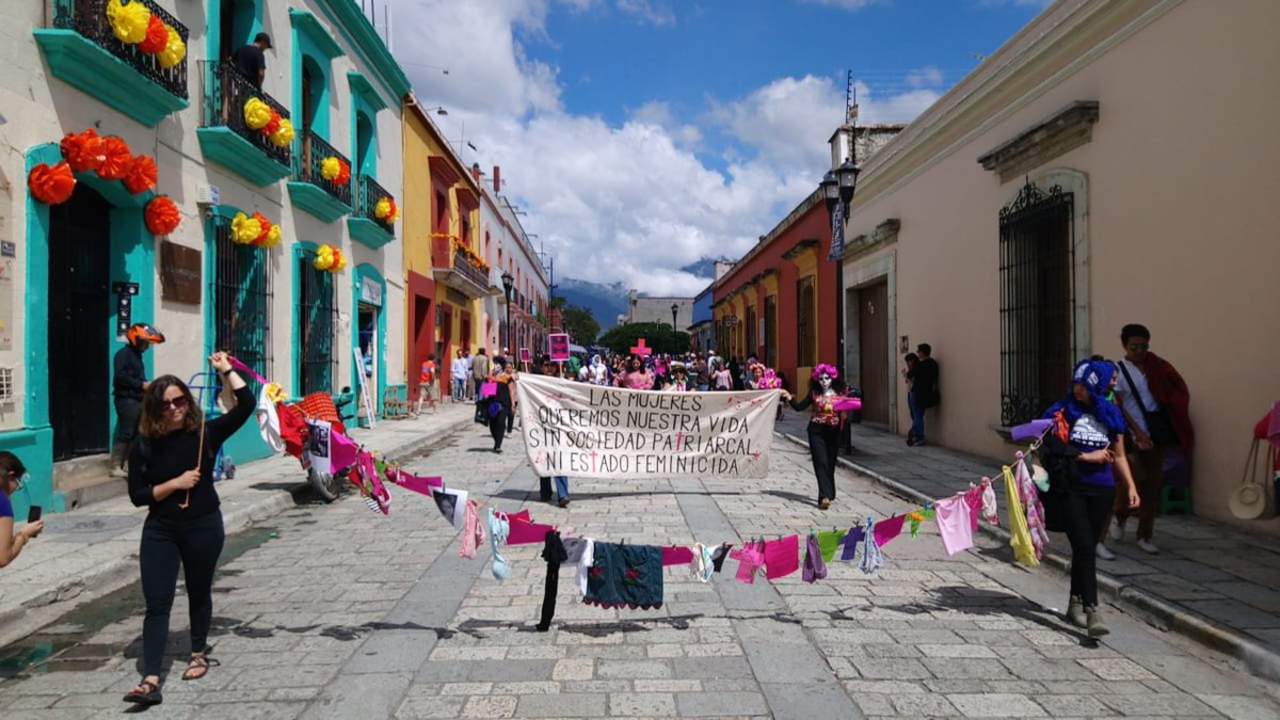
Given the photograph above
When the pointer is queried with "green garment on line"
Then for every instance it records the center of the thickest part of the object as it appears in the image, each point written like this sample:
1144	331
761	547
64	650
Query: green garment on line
829	541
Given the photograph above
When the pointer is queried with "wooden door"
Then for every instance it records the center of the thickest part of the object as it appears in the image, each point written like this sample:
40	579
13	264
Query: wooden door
873	351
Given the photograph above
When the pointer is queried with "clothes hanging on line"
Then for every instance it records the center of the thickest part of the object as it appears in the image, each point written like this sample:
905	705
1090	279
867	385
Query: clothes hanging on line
625	576
553	552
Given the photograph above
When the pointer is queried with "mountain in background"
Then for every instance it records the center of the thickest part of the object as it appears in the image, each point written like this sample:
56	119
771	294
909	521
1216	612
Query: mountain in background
704	268
607	301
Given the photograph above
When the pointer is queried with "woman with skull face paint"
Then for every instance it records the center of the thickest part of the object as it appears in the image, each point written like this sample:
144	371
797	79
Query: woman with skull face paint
824	427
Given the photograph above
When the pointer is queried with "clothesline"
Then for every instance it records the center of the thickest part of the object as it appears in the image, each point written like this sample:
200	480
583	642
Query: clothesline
623	575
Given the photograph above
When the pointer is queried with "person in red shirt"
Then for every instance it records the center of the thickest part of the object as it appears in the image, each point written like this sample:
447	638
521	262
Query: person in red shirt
428	390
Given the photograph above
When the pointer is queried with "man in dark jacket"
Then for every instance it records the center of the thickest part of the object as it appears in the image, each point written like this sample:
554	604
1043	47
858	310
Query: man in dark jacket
924	391
251	61
128	383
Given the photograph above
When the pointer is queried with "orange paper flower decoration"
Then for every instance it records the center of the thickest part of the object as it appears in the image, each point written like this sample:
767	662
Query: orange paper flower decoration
344	173
82	151
116	159
141	176
161	216
51	185
272	125
157	37
266	228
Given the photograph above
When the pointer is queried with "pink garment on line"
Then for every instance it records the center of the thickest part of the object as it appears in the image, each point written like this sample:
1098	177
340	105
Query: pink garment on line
973	499
672	555
524	532
750	558
953	524
472	532
343	451
782	557
421	485
889	529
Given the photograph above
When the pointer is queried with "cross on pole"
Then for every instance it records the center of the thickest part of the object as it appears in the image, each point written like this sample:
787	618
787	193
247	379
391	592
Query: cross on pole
640	350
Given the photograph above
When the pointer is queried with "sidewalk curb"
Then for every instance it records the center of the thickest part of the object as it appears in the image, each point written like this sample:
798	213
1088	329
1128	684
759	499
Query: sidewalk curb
43	610
1260	660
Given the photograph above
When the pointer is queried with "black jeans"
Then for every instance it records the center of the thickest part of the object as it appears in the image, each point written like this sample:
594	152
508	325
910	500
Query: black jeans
127	412
824	445
497	427
1085	514
197	543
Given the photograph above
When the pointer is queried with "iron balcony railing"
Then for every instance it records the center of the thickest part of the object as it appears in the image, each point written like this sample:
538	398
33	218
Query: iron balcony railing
89	18
463	265
307	166
370	193
225	96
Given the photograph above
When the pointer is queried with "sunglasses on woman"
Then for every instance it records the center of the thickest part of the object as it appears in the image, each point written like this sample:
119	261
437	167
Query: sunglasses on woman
177	403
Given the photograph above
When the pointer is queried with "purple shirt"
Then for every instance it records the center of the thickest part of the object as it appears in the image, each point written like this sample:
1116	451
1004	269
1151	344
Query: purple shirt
1089	434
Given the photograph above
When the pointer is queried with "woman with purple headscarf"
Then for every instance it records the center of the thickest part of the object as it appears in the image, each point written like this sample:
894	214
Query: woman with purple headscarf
824	427
1084	454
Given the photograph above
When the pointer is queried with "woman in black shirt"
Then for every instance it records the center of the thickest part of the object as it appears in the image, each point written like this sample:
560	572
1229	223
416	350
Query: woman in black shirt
171	472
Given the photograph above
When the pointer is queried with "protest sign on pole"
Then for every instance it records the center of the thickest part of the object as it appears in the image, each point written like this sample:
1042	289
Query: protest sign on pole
582	430
558	347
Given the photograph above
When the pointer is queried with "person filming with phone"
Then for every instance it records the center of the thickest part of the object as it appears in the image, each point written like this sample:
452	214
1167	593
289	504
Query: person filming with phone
12	472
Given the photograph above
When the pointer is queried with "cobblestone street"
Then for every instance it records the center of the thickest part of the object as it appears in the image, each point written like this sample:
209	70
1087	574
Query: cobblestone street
333	612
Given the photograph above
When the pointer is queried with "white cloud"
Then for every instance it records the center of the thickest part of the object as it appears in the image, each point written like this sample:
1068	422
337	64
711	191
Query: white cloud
845	4
928	76
654	12
628	202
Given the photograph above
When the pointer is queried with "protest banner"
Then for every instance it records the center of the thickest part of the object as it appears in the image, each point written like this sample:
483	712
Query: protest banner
582	430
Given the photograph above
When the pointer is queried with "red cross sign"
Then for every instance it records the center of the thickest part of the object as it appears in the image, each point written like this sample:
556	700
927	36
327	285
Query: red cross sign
640	350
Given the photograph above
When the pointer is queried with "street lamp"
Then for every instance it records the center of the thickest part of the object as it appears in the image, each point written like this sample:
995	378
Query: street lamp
675	309
508	284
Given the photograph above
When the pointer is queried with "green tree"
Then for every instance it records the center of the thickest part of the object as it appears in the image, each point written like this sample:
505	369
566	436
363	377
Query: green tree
581	324
658	336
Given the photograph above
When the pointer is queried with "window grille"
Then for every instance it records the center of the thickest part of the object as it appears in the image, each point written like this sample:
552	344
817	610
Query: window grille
241	300
806	322
1036	301
6	384
317	325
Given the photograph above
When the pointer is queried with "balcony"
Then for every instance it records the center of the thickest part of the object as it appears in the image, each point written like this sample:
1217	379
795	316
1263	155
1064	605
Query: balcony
226	139
325	199
82	51
455	269
364	225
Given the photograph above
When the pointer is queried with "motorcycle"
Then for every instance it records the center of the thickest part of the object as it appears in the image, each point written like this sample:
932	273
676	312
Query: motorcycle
336	411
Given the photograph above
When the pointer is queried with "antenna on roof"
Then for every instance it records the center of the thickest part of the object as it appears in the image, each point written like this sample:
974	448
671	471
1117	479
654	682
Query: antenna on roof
850	99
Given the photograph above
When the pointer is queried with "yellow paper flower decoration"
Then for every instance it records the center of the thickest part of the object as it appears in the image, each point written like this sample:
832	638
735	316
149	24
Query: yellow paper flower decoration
244	229
273	237
283	135
174	52
275	393
329	168
256	114
341	263
324	258
382	209
128	22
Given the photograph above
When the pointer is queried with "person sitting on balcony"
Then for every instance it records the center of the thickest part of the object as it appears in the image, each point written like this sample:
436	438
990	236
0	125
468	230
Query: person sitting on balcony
251	61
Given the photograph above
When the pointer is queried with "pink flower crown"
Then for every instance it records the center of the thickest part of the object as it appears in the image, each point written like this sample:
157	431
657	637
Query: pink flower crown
822	369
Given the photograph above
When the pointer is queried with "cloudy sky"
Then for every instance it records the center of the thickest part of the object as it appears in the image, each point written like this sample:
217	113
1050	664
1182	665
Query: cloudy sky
643	135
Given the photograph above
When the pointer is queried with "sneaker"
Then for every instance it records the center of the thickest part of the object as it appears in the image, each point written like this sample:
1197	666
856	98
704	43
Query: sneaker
1116	531
1148	547
1104	553
1075	612
1093	620
824	503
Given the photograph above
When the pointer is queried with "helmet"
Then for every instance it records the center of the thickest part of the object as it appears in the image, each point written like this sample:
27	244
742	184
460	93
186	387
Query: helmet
143	331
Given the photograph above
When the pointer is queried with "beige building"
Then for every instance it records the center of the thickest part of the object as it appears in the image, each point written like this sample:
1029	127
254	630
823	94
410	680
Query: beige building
646	309
1113	162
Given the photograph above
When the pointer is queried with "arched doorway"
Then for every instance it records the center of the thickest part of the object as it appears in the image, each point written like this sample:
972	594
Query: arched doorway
79	324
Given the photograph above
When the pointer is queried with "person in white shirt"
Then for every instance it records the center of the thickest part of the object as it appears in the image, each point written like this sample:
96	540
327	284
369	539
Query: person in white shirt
458	373
1151	430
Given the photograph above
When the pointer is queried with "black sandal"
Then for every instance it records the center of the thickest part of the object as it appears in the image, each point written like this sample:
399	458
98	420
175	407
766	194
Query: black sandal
201	662
149	696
